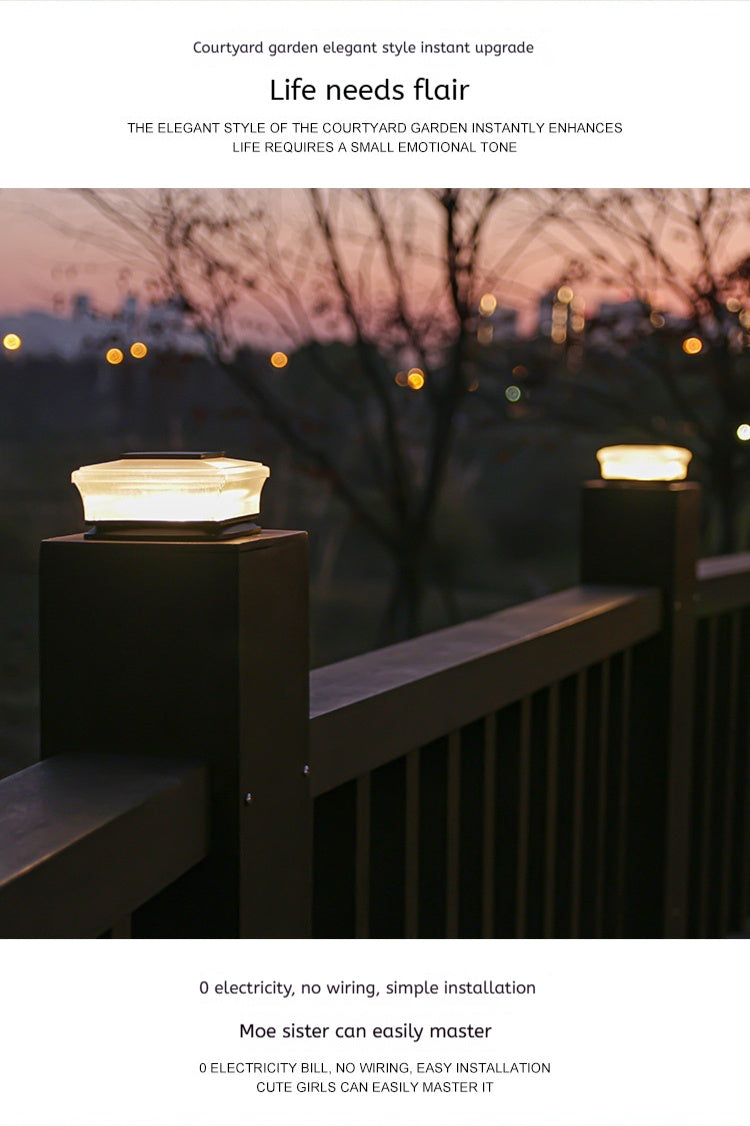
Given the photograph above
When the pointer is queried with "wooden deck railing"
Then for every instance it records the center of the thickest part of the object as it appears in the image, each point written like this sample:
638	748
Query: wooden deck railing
577	766
86	838
473	782
720	844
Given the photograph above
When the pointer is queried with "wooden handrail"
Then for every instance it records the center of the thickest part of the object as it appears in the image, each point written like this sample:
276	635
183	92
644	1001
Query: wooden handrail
369	710
86	838
723	584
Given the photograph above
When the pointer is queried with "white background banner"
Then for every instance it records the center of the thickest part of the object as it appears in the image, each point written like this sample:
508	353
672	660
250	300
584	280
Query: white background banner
605	1033
120	94
98	89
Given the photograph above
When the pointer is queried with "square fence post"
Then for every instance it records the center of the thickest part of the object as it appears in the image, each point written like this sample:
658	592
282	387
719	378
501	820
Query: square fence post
195	649
647	534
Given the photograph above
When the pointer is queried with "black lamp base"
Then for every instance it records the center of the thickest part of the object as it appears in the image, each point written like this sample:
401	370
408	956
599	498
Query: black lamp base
189	531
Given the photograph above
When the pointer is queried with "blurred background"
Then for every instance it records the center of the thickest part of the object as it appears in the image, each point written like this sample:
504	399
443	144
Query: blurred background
428	374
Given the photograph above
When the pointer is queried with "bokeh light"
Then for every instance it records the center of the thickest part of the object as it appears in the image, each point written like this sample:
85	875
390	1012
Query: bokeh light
565	294
138	350
512	393
692	345
487	304
279	360
12	341
743	432
114	356
415	379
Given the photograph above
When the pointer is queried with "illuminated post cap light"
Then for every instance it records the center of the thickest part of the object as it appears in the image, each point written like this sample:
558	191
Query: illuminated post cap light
643	463
171	495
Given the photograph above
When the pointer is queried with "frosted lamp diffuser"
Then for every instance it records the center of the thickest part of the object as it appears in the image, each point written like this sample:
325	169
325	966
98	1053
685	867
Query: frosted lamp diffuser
643	463
165	490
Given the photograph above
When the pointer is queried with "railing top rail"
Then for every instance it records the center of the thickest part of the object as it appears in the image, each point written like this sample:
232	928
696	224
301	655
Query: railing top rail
86	838
723	583
368	710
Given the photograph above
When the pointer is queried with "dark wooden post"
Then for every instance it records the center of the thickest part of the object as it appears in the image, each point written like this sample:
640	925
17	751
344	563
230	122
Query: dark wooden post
647	534
195	649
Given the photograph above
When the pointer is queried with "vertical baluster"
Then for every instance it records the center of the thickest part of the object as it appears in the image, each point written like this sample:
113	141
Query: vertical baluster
507	819
524	801
730	735
744	745
709	737
578	812
471	820
433	800
745	855
387	849
488	835
622	812
566	735
602	802
411	875
334	893
550	861
453	816
362	863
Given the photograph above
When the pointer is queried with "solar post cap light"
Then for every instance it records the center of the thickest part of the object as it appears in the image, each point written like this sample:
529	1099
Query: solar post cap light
643	463
154	495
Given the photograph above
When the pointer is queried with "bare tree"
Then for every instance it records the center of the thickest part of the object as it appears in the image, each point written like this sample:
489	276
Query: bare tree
681	370
395	276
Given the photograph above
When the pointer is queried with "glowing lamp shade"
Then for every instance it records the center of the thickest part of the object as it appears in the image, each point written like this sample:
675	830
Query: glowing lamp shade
643	463
208	491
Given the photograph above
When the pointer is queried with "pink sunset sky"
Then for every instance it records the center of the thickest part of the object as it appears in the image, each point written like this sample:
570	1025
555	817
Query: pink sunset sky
49	252
55	245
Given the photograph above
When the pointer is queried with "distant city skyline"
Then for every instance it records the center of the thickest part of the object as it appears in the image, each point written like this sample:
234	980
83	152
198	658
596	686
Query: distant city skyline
47	253
57	247
78	329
